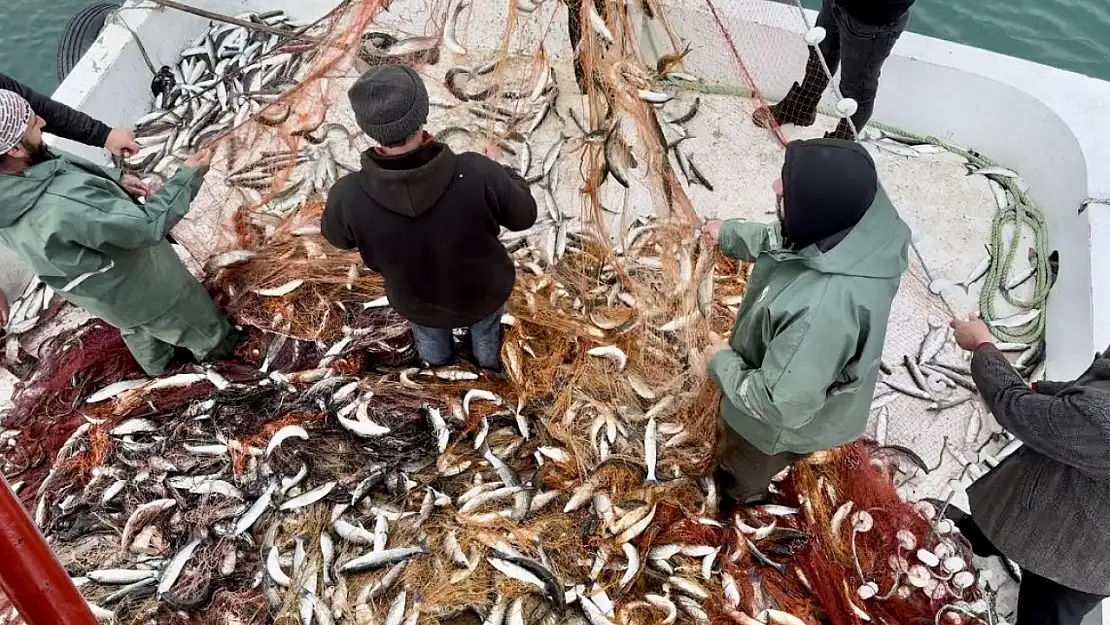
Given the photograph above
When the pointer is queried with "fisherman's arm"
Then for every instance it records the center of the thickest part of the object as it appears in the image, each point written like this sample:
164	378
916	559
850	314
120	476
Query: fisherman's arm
61	120
1051	425
799	367
333	225
510	197
744	240
109	220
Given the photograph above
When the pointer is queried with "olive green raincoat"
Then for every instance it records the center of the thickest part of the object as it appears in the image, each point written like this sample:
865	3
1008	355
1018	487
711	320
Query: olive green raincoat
83	235
809	335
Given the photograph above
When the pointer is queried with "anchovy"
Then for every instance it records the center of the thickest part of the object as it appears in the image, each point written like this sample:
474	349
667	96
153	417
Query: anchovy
439	426
309	497
113	390
119	577
273	569
1017	320
552	155
598	24
651	432
688	115
378	559
933	342
450	40
763	559
697	174
977	273
372	592
289	431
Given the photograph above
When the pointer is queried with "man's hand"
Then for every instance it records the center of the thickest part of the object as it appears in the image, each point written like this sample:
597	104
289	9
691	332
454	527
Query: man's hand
5	309
137	188
717	343
121	142
971	334
493	151
201	160
712	230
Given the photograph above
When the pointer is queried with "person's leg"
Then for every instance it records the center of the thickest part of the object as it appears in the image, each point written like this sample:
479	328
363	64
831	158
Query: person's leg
197	325
435	345
1042	601
799	107
485	342
747	471
154	356
864	49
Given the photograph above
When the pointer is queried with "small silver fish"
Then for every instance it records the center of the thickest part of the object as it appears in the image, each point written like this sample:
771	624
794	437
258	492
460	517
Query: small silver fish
378	559
977	273
651	432
1017	320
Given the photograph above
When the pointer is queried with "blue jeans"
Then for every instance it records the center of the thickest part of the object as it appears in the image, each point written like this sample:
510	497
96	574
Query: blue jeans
436	345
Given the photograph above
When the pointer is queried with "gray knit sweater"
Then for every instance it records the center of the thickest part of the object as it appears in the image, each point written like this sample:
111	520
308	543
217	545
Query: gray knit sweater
1047	506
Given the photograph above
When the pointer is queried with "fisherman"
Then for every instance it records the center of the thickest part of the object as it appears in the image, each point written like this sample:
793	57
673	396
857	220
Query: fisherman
68	124
428	220
1047	506
78	227
859	36
799	371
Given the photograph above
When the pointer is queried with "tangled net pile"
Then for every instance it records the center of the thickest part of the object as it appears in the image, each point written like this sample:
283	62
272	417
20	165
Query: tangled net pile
322	478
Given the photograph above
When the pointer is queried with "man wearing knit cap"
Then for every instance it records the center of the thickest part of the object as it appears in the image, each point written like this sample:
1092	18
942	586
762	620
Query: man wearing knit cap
66	123
78	227
800	368
428	220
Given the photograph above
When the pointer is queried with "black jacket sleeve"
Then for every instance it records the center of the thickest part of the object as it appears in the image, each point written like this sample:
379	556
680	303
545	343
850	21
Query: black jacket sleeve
1060	427
333	225
60	119
510	198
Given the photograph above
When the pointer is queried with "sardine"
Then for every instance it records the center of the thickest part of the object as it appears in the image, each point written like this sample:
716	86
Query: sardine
353	533
933	342
113	390
119	577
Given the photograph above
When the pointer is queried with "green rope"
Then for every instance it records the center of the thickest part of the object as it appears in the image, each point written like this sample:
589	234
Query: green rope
1020	215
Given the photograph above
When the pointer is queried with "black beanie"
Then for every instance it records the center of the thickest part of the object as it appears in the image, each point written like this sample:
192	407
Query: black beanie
827	187
390	103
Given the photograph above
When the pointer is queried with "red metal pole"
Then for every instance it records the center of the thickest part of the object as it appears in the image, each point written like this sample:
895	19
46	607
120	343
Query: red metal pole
30	575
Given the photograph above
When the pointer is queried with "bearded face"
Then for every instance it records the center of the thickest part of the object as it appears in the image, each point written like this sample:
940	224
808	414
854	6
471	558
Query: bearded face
36	150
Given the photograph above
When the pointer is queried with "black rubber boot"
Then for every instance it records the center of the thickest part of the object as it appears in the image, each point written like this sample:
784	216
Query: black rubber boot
843	131
799	108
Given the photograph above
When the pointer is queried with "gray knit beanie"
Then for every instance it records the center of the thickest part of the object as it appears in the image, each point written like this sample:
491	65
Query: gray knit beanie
390	103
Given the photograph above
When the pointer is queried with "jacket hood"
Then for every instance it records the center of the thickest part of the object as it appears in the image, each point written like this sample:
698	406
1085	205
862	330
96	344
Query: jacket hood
828	185
21	192
876	247
409	184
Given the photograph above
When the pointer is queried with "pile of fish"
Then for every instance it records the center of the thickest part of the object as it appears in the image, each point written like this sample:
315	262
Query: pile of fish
422	495
229	74
24	313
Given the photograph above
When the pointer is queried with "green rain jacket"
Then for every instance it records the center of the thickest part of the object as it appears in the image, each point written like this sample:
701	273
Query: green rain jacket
809	335
83	235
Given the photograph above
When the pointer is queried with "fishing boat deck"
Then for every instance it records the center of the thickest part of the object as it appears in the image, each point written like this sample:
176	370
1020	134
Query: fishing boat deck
949	212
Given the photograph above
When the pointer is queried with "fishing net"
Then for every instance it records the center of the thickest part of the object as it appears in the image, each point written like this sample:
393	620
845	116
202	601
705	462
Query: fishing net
346	480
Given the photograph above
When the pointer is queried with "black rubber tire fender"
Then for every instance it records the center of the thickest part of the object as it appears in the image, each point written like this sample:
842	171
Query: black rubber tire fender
80	34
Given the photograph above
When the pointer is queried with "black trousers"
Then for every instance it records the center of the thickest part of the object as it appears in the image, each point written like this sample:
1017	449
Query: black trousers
1041	601
859	50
